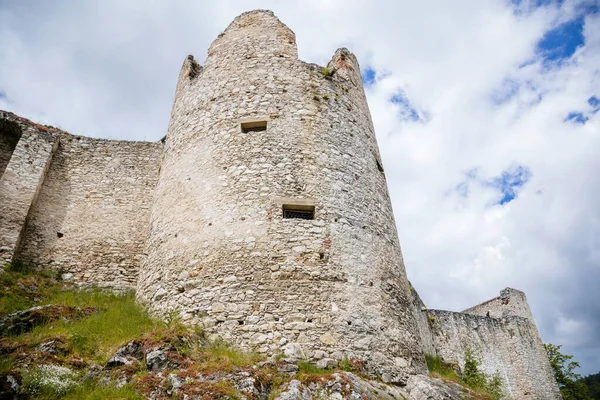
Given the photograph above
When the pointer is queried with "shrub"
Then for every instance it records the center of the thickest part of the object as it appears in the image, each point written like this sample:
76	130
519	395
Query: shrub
476	379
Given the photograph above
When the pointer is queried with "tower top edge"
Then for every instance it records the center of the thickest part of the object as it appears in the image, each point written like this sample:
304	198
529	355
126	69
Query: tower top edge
254	18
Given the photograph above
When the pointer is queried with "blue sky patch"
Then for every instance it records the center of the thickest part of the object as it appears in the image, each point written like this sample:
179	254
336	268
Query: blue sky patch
3	95
562	41
577	117
595	103
407	112
368	76
509	182
527	6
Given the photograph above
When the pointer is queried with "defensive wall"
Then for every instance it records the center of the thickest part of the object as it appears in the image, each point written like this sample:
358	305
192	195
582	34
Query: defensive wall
263	216
76	204
502	335
254	133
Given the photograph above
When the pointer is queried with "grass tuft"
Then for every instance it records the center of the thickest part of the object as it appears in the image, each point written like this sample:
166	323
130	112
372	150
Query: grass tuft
218	355
95	391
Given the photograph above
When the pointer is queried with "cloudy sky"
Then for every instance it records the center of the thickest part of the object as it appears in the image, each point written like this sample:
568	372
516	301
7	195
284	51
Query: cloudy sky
486	114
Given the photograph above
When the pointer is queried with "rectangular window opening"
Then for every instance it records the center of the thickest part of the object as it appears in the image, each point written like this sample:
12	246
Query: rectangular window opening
254	126
298	211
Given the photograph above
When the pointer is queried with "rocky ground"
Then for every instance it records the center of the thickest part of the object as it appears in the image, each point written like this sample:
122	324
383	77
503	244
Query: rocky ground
58	342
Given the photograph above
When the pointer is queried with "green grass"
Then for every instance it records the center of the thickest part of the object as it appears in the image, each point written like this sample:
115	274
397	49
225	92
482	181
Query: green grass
221	356
98	335
305	367
6	363
20	286
490	387
96	391
436	365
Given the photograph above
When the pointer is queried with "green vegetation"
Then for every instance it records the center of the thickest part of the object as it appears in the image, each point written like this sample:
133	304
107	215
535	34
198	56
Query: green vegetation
472	377
94	391
571	386
308	368
49	381
476	379
20	287
65	356
221	356
328	73
119	318
438	367
593	384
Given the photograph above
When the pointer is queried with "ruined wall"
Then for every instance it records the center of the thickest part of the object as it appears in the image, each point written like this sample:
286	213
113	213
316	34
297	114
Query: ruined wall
91	218
10	133
422	319
511	302
219	250
22	178
509	346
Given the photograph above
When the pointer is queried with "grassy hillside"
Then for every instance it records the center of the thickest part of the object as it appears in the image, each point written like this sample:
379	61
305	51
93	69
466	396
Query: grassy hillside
61	342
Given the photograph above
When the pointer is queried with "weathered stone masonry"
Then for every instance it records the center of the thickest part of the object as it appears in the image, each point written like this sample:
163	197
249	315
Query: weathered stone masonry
219	250
93	210
502	334
91	216
197	224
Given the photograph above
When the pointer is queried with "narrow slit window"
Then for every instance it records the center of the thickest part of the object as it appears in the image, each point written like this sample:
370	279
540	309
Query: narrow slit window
254	126
298	211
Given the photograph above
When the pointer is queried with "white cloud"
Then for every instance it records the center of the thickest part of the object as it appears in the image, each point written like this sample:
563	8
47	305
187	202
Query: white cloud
109	69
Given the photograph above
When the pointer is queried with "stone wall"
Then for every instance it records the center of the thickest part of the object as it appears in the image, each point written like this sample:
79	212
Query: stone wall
423	323
22	178
509	346
511	302
92	214
219	251
10	133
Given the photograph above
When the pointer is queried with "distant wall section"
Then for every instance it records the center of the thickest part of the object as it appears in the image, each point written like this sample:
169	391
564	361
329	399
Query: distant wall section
506	342
511	302
92	213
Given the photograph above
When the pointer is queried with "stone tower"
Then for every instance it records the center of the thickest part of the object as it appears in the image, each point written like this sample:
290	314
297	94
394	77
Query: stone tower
272	224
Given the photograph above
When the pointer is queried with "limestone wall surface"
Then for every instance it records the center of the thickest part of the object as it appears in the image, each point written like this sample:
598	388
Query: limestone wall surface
511	302
508	346
423	324
22	178
220	251
10	133
91	218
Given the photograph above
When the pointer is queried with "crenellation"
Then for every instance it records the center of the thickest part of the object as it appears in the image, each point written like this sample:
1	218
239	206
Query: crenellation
263	216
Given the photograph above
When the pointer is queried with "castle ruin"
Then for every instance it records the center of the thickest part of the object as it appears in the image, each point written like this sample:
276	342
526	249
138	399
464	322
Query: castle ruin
263	216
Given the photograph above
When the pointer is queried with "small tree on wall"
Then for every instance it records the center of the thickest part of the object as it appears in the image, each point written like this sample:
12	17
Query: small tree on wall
570	384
